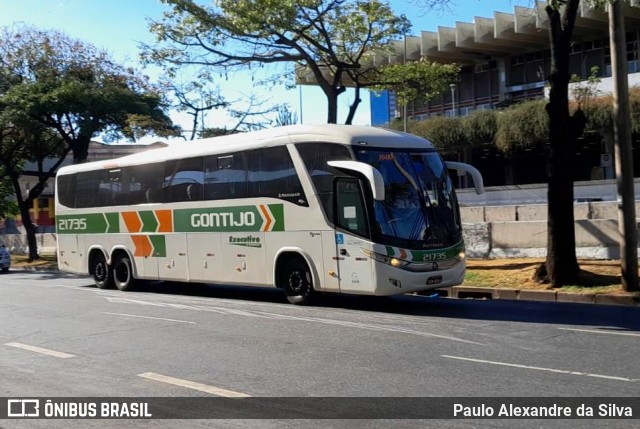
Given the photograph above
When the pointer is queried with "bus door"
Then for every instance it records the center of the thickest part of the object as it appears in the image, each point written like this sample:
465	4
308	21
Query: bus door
354	267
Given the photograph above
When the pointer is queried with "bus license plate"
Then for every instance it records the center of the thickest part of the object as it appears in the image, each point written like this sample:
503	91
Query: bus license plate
434	280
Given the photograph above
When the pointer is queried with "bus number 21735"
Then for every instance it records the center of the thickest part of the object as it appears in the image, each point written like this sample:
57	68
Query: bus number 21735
72	224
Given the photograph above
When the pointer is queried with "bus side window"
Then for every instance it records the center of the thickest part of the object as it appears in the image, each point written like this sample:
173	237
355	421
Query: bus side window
88	189
183	180
225	176
140	179
315	157
272	174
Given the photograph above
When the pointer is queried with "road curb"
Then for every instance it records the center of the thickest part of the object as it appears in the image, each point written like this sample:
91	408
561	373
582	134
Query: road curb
464	292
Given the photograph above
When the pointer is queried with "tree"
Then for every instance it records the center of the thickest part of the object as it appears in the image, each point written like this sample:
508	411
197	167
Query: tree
7	206
332	40
421	79
195	99
76	90
286	116
21	140
561	265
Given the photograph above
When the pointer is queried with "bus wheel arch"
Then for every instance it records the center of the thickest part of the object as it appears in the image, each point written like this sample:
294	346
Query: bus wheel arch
123	270
295	276
100	269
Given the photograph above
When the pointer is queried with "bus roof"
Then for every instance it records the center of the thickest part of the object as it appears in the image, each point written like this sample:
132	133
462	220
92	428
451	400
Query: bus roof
326	133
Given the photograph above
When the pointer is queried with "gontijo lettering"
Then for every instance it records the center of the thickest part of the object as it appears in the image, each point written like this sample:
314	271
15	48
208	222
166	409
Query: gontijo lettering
222	219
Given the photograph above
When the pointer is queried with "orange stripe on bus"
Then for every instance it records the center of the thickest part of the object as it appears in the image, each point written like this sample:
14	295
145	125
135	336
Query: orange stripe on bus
165	219
266	214
132	221
142	245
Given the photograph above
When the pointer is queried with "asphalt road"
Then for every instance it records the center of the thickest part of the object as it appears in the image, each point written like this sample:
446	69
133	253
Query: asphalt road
61	336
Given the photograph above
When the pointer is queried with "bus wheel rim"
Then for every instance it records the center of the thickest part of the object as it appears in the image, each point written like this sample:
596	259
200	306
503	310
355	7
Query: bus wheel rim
101	271
296	282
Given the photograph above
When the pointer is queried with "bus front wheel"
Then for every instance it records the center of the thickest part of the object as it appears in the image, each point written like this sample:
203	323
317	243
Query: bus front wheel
296	280
102	272
122	273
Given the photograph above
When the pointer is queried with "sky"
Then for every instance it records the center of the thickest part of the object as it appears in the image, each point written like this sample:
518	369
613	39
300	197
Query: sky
119	26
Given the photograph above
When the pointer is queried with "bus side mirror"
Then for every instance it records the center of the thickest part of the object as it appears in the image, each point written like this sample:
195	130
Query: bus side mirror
373	176
478	183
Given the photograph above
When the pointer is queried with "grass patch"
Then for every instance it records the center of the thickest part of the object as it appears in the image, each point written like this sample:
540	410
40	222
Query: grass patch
47	259
595	276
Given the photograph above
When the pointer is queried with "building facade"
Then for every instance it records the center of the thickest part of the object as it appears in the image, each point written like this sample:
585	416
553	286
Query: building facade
506	59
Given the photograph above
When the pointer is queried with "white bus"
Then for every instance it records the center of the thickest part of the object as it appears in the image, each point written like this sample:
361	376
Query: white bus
326	208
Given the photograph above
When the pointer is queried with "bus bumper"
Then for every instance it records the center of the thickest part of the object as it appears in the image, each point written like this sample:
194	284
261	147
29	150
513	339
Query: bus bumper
395	281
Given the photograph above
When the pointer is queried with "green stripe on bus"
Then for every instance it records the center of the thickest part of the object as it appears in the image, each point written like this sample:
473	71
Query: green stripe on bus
149	221
159	245
226	219
113	221
91	223
277	210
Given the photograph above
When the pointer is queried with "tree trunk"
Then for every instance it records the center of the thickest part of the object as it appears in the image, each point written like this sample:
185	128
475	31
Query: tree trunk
332	107
80	149
24	205
561	265
354	107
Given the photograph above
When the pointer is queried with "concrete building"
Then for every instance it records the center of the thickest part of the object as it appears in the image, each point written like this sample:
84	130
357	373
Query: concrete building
507	58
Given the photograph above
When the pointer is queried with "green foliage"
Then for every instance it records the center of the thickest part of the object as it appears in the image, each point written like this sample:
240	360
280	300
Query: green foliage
480	127
75	89
330	40
444	132
8	206
522	125
519	126
599	112
423	78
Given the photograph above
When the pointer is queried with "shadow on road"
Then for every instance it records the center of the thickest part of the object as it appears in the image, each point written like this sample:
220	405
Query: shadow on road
627	318
619	317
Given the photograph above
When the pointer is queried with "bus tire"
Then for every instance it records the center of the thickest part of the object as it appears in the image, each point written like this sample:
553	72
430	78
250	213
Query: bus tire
102	272
123	273
297	282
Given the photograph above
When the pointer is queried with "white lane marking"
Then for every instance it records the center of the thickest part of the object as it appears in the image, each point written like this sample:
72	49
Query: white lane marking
595	331
537	368
149	317
219	310
370	327
43	351
268	315
193	385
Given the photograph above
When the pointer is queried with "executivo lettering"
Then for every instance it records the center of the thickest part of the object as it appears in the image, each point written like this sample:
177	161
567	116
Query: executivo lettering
249	241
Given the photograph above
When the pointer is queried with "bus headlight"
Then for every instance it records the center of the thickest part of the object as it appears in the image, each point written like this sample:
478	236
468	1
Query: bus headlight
389	260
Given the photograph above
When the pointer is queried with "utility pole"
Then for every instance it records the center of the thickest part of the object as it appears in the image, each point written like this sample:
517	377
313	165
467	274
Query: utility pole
454	112
622	149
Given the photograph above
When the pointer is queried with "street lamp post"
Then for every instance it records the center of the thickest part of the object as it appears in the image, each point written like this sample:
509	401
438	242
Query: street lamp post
453	99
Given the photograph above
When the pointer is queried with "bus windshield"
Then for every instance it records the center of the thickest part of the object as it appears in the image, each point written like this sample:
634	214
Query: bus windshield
420	209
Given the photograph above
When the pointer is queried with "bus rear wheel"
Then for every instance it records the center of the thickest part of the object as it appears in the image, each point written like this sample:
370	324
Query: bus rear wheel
102	272
296	280
122	273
